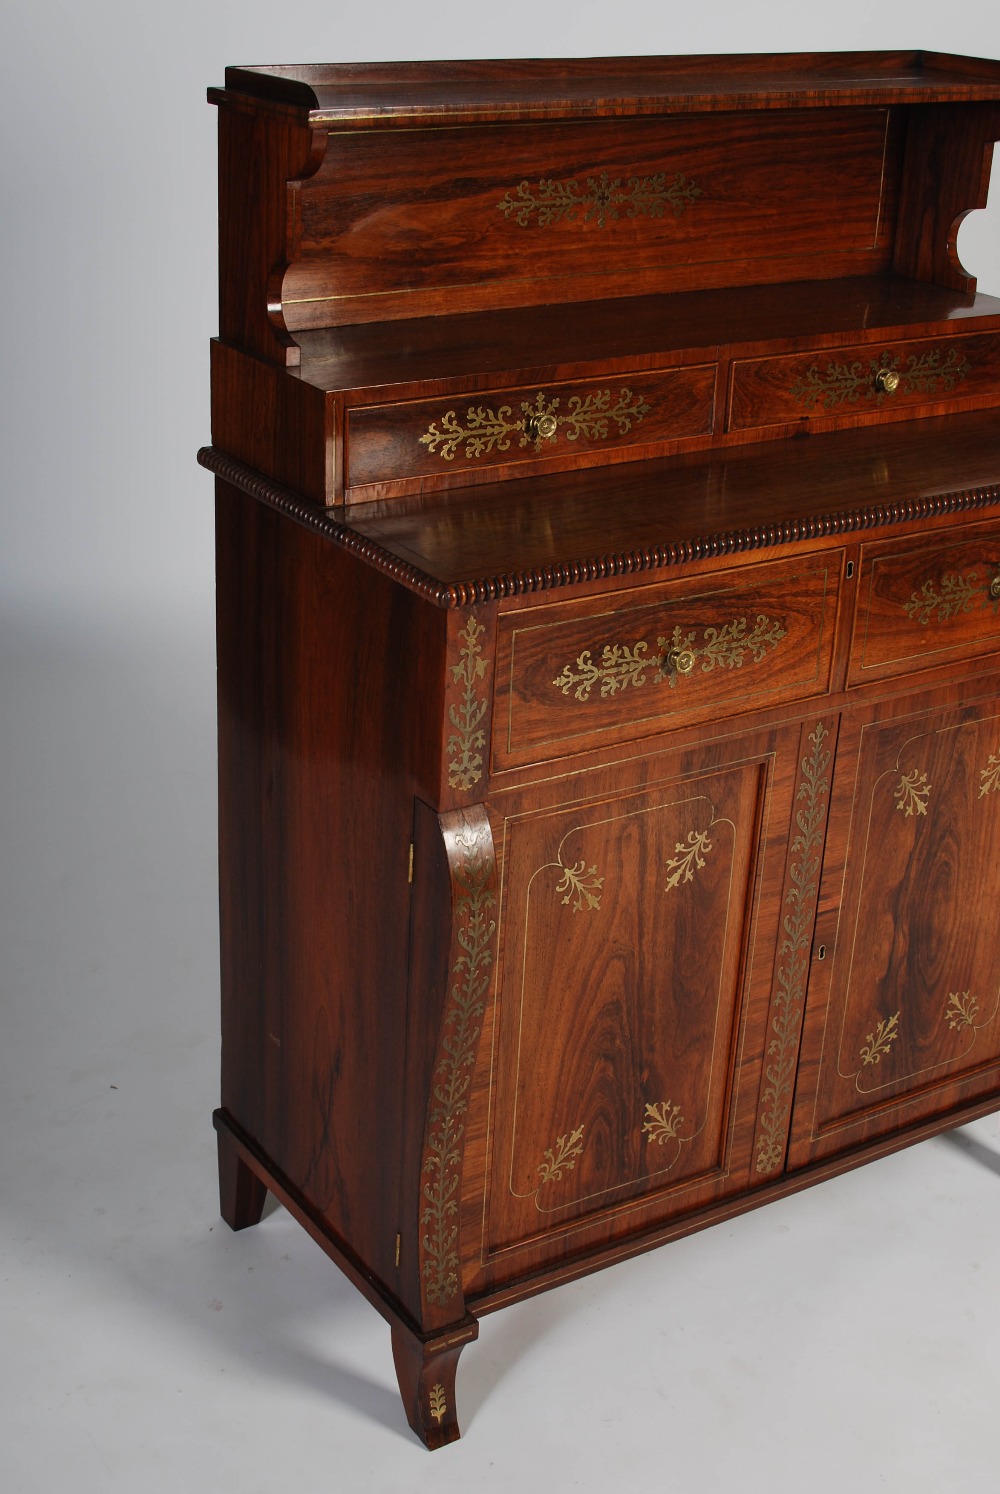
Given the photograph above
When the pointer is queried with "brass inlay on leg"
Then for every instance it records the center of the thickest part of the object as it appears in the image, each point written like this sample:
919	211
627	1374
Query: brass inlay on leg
438	1403
561	1158
912	793
880	1041
465	758
793	969
548	201
690	857
487	431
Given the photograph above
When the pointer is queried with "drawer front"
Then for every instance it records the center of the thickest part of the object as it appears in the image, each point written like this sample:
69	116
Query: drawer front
467	438
924	602
637	663
879	378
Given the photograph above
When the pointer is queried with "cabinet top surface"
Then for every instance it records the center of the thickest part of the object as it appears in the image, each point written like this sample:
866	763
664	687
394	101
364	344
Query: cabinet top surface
549	88
534	534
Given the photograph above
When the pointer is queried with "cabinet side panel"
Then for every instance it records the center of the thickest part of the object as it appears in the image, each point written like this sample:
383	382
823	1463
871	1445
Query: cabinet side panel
317	758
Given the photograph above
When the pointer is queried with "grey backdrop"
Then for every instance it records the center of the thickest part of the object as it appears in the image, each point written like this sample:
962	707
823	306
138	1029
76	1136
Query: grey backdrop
846	1337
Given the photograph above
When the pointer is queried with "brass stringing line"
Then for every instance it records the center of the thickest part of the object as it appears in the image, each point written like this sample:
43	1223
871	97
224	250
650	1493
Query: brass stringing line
622	664
465	762
794	953
474	933
845	383
551	201
488	429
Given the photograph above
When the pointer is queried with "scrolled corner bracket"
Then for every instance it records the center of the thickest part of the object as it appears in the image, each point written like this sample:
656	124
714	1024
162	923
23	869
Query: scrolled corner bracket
469	843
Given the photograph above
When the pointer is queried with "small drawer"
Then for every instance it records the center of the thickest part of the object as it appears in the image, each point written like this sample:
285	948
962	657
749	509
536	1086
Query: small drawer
926	602
469	437
831	383
634	664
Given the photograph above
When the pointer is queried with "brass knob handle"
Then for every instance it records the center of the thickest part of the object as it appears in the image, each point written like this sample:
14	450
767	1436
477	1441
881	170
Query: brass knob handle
995	588
680	660
540	427
887	381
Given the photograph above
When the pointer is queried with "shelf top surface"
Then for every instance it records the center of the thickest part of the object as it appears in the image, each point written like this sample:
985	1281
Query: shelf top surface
544	341
367	94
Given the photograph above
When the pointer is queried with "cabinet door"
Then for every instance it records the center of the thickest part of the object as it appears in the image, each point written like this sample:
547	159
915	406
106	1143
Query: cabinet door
902	1010
628	1027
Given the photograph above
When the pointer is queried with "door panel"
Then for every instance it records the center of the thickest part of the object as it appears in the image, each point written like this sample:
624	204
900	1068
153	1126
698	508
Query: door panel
901	1017
621	999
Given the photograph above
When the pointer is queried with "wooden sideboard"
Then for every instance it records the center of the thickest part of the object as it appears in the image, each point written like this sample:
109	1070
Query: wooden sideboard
608	516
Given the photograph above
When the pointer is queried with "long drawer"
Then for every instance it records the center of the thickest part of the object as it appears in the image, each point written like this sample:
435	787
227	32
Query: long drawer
636	662
468	437
828	383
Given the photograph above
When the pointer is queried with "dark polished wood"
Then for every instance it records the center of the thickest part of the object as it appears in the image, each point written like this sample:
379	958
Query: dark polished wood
608	534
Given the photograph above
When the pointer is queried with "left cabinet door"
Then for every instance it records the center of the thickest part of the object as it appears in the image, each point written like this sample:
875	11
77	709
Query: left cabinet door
632	996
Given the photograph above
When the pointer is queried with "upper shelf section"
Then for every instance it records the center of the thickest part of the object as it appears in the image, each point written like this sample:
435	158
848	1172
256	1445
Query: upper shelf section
363	95
391	192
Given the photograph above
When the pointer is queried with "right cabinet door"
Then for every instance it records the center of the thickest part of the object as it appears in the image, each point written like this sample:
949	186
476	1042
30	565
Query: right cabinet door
903	1008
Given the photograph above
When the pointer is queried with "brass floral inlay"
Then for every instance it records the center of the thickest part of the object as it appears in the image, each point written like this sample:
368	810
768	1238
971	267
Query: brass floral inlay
662	1123
471	970
488	430
912	793
690	857
465	758
581	883
951	595
793	968
881	1040
622	665
990	776
962	1010
550	201
930	372
439	1405
561	1158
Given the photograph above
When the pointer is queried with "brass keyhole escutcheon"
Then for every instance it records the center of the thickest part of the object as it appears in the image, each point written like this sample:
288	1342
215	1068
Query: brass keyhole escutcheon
541	427
680	660
887	381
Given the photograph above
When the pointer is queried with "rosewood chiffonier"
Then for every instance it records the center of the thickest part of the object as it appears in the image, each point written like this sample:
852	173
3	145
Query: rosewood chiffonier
608	506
